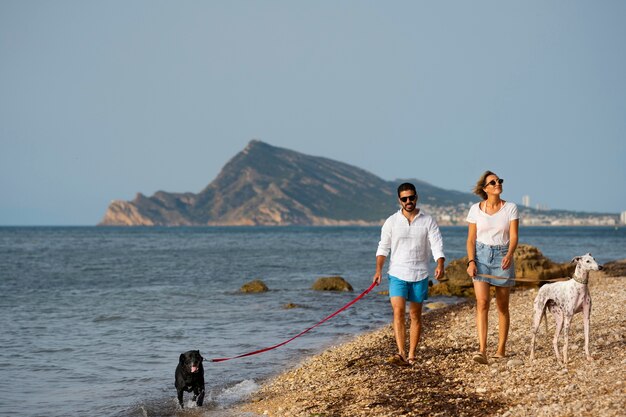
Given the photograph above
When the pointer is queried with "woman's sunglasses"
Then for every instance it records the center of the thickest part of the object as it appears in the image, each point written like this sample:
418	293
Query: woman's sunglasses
410	197
493	182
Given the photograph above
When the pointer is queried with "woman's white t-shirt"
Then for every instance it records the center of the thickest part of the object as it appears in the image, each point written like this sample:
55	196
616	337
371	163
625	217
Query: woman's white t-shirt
493	229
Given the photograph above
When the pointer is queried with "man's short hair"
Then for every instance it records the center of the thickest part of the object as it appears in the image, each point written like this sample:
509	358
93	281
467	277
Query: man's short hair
406	186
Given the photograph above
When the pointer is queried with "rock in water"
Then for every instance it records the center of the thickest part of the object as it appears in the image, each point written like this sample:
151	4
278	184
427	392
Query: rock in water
254	286
332	284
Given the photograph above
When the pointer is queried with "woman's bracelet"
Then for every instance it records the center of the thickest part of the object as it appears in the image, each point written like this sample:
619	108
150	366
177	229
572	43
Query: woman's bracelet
470	261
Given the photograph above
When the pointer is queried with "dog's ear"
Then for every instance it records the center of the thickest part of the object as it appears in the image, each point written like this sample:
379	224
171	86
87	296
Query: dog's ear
181	359
576	260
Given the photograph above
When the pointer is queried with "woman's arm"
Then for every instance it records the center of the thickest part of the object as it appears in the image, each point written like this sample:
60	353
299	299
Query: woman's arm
471	249
513	238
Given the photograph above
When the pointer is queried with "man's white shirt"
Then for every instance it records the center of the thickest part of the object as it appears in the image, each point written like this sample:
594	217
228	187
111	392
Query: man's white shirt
409	245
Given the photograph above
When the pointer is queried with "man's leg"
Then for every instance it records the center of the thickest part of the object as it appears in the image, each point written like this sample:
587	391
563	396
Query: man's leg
415	311
399	327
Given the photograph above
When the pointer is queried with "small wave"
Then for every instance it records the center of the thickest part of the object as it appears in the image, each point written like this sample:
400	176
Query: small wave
104	318
95	268
236	393
52	350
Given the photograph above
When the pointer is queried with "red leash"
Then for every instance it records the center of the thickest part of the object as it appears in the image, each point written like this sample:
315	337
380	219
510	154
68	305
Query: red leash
256	352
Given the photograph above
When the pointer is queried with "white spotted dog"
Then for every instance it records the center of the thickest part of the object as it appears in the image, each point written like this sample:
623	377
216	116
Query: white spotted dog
563	300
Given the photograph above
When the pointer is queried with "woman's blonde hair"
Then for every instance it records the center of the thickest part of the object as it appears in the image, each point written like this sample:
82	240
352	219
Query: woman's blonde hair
480	184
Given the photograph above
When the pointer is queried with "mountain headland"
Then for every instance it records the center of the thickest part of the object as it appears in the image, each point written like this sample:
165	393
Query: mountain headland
268	185
264	185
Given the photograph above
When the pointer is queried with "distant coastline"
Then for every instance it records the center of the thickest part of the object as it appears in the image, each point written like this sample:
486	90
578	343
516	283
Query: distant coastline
455	216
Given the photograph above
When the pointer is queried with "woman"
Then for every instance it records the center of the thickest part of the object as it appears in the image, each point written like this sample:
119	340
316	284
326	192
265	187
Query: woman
491	242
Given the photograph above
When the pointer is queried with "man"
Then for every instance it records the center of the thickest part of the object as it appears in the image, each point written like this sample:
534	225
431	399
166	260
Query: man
407	235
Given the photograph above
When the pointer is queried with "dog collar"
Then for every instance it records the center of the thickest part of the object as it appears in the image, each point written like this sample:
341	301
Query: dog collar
583	281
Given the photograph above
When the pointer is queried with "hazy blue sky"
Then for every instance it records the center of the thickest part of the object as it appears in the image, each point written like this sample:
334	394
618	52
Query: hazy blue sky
100	100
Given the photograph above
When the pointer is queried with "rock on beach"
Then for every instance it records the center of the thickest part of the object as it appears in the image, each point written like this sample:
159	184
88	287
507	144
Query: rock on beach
355	378
530	265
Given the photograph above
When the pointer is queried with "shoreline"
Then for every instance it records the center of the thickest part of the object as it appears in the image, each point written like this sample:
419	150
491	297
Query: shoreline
355	377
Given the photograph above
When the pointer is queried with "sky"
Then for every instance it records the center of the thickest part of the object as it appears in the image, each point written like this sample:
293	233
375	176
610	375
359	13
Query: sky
100	100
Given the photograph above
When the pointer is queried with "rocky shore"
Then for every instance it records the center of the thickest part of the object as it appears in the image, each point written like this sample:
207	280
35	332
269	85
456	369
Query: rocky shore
357	379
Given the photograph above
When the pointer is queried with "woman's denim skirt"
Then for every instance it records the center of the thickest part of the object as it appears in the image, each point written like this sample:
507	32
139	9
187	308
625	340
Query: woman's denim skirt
489	261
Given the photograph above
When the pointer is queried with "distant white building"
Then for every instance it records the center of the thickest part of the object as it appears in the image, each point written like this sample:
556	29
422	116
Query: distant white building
526	201
622	217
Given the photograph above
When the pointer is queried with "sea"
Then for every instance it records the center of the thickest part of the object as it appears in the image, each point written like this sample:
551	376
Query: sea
93	319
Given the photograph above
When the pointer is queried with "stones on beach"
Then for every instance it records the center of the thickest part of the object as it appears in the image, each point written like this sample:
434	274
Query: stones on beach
514	362
353	379
255	286
332	284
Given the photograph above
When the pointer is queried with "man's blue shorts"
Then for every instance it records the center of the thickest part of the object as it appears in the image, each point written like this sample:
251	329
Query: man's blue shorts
416	292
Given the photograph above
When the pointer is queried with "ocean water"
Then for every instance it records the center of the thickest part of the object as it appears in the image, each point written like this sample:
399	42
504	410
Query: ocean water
93	319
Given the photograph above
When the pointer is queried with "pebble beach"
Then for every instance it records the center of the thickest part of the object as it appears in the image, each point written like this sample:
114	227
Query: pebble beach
357	378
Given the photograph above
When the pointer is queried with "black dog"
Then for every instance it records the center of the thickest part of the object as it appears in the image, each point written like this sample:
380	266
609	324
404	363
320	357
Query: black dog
190	376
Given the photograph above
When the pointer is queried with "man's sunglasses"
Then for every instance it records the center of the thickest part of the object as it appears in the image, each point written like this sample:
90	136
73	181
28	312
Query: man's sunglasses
493	182
410	197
